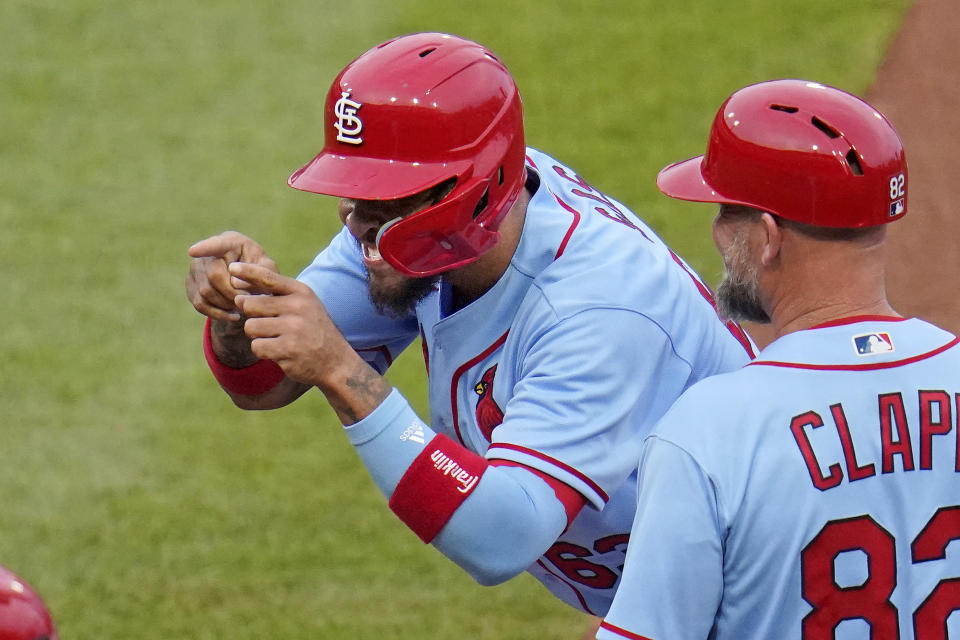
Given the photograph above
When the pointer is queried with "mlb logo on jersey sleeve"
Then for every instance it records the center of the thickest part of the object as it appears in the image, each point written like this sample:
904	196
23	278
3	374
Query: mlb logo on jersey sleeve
870	344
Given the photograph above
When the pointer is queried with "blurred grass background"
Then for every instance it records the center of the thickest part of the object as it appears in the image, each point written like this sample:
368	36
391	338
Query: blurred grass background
135	497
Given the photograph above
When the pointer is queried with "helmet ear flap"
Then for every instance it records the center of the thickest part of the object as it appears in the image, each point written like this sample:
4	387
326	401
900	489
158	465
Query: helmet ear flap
438	238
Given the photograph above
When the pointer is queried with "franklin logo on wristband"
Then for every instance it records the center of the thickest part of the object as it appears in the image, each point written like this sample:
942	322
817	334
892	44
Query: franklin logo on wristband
449	467
435	484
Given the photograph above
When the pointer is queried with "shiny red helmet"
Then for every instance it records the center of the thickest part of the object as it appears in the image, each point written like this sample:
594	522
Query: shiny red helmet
801	150
410	114
23	616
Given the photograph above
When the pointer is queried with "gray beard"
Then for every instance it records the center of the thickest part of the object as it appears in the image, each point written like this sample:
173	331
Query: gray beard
738	301
737	296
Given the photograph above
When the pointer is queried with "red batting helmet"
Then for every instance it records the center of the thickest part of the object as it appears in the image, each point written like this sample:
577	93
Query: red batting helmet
801	150
23	615
412	113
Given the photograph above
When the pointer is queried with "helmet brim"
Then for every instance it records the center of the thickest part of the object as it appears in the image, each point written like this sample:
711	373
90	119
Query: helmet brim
364	178
684	181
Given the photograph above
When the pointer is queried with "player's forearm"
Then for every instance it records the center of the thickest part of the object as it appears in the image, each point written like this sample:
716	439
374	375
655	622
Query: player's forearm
251	383
230	344
354	390
505	517
509	521
281	395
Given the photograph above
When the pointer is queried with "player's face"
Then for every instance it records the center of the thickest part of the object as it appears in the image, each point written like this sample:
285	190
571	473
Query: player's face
738	296
391	291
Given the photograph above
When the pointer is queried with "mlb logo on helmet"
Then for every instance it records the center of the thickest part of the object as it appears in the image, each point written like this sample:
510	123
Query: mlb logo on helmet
898	193
872	343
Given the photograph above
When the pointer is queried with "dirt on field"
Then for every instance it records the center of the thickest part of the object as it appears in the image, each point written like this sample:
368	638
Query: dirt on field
918	88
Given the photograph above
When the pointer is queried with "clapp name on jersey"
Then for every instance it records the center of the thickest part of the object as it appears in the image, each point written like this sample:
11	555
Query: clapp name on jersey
936	418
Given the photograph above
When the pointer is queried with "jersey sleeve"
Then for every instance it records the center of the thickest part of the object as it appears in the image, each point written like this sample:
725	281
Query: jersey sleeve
339	279
673	576
588	390
500	528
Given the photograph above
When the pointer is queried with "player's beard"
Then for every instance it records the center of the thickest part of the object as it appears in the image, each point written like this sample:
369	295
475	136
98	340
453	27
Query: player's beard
396	295
738	296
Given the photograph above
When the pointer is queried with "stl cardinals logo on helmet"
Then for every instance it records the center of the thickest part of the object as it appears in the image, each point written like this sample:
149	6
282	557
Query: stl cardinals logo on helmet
348	125
489	415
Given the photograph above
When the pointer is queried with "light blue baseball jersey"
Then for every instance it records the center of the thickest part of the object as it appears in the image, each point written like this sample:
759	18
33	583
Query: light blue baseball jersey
812	494
564	365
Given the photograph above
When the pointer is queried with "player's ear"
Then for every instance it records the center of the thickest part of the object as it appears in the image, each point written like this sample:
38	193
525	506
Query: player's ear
773	239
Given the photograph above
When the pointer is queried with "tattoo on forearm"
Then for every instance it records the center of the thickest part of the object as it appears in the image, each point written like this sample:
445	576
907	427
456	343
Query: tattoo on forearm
369	385
366	390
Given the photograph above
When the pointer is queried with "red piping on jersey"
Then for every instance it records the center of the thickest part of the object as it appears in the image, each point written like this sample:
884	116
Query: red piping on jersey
425	349
622	632
531	162
576	221
460	371
570	498
702	288
556	463
583	603
855	319
857	367
735	329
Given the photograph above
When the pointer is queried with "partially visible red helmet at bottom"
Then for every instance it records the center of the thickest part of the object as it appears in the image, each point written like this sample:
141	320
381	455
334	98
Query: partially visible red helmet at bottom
801	150
23	615
410	114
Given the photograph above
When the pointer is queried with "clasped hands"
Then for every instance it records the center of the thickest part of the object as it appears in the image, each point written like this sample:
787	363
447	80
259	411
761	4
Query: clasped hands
232	280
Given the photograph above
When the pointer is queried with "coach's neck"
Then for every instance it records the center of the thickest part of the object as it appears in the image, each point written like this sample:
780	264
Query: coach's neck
807	281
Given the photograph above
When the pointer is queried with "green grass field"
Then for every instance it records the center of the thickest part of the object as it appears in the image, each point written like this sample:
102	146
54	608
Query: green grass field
135	497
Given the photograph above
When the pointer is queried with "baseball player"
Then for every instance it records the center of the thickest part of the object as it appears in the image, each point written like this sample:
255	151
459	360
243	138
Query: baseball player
814	492
556	327
23	615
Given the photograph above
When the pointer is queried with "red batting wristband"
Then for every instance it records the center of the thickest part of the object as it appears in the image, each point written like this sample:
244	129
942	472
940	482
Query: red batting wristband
260	377
435	485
